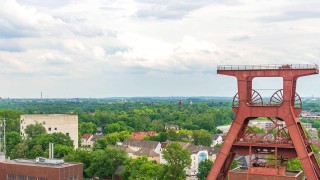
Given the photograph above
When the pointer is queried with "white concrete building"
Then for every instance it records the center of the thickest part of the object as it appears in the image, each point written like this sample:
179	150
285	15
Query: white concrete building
224	129
267	124
54	123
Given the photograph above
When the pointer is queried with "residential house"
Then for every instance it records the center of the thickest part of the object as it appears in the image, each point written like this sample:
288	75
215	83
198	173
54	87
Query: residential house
86	139
136	148
94	138
198	154
136	144
127	149
174	127
140	135
216	139
186	137
150	153
99	130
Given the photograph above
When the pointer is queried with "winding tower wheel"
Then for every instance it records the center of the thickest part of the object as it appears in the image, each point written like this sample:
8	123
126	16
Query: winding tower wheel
256	99
277	99
249	135
282	135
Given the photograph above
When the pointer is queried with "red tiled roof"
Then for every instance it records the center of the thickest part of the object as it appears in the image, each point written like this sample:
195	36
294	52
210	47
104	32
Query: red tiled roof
86	136
140	135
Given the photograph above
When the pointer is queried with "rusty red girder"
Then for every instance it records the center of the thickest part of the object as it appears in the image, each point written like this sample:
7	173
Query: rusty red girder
284	105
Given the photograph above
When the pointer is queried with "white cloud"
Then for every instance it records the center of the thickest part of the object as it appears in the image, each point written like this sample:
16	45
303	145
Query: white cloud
117	41
99	52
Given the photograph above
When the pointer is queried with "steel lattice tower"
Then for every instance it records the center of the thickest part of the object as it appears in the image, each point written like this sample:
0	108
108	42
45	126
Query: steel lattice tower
284	106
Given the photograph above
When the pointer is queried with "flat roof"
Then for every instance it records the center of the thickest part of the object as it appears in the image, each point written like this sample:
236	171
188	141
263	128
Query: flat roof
49	115
32	162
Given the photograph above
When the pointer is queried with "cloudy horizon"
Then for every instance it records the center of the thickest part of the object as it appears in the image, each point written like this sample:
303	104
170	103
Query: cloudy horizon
104	48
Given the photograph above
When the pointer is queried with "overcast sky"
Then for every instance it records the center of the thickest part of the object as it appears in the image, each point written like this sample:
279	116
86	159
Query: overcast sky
106	48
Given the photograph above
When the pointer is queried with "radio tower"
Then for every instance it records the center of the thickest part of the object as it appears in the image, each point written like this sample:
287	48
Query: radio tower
283	107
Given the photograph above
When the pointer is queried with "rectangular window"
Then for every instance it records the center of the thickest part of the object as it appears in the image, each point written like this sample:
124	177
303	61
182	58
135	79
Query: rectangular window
20	177
49	129
55	128
11	176
67	134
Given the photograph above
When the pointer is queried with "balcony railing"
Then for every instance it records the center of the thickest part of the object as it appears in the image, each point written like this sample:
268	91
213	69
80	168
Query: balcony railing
268	66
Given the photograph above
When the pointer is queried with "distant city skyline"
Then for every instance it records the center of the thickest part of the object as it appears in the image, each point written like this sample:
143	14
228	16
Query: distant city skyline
146	48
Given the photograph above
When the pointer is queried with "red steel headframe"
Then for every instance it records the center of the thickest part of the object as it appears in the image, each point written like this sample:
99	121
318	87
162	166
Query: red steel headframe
286	111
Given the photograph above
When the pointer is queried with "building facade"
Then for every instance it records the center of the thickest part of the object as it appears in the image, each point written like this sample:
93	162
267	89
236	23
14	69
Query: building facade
24	169
54	123
86	140
266	124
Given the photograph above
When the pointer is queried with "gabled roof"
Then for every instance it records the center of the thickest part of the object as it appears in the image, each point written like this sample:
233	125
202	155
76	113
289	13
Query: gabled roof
147	152
140	135
140	143
86	136
216	136
183	144
216	150
186	136
123	147
194	149
97	136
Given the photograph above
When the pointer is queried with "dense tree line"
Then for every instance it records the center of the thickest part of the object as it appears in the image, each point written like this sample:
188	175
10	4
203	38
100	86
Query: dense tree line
118	118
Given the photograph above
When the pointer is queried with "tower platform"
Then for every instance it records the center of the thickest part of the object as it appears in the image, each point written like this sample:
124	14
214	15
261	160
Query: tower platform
241	173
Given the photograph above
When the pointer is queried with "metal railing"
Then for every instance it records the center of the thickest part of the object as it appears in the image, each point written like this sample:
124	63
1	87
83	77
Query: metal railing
268	66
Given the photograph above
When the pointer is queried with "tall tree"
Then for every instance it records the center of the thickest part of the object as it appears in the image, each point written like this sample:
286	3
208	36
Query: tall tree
202	137
19	151
12	139
101	143
87	127
62	139
106	162
178	159
33	130
12	119
81	156
62	150
141	168
204	168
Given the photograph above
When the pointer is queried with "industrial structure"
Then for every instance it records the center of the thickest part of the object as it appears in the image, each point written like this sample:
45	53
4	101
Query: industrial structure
53	123
268	156
40	169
